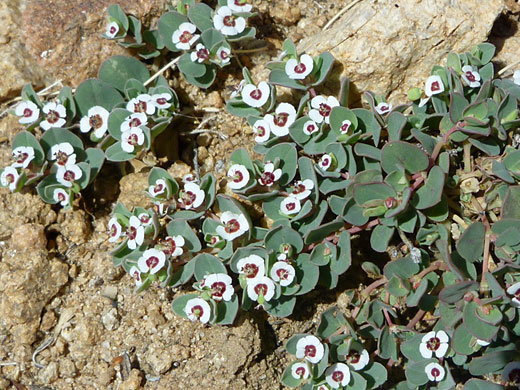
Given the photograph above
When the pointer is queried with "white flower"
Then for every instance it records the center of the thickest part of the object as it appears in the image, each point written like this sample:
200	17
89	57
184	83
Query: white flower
284	117
67	174
483	343
161	100
189	178
434	342
160	187
23	155
269	175
132	138
61	196
302	189
227	23
322	107
290	205
220	286
135	233
516	78
260	289
383	108
172	246
152	261
298	70
435	372
134	120
145	219
191	197
55	114
97	119
433	86
239	5
358	360
511	373
322	387
256	96
234	225
223	54
136	274
198	309
200	54
112	29
283	273
471	77
27	111
337	375
262	130
114	230
514	290
300	370
184	36
310	348
345	126
9	178
310	127
238	175
252	266
141	103
63	153
325	162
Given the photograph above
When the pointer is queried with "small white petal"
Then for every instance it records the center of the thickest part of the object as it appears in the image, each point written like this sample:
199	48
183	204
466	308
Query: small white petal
425	352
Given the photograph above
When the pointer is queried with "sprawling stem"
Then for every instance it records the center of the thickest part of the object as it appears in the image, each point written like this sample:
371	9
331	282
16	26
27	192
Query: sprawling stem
444	141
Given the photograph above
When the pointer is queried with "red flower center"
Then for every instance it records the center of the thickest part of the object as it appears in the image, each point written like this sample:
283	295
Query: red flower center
354	357
291	206
256	94
267	178
113	29
299	188
345	127
325	162
113	228
436	86
433	344
162	101
232	226
53	116
61	198
144	219
311	128
218	289
133	139
61	158
224	55
261	289
300	371
390	202
21	157
250	270
470	76
27	112
283	274
131	233
140	106
197	311
384	108
69	176
324	110
281	119
237	177
152	261
185	37
135	122
10	178
169	245
158	188
260	131
310	350
137	276
229	21
188	198
95	121
203	54
300	68
435	372
337	376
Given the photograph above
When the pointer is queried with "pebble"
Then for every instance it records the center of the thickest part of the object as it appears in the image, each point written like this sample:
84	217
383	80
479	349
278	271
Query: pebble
110	292
110	319
133	382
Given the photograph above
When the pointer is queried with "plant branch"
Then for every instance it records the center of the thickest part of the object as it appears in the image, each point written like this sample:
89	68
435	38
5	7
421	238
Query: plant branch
172	64
444	141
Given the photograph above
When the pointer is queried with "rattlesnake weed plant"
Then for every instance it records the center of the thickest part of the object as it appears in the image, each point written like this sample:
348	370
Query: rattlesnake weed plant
431	186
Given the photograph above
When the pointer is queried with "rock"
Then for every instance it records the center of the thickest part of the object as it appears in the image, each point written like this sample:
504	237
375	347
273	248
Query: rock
110	292
110	319
214	100
159	358
65	36
388	49
286	14
506	37
28	280
133	382
17	66
133	187
74	225
28	237
49	374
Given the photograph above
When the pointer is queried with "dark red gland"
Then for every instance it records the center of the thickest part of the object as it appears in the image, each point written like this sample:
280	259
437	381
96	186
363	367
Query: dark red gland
10	178
135	122
310	350
325	162
162	101
261	131
152	261
158	188
300	68
261	289
250	270
69	176
345	127
224	55
137	276
256	94
436	86
203	54
282	274
21	157
300	371
229	21
53	116
281	119
436	372
385	108
298	189
470	76
324	110
337	376
232	226
133	140
197	311
354	357
113	228
188	198
61	198
169	246
218	289
390	202
185	37
140	106
95	121
131	233
311	128
238	177
62	158
113	30
291	206
433	344
514	375
267	178
145	219
27	112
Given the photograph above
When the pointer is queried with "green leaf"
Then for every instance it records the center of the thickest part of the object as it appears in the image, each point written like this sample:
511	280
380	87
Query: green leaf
357	382
212	38
95	158
479	384
416	374
116	153
118	69
200	15
290	345
326	62
206	264
471	244
94	92
455	292
330	321
168	23
188	67
24	138
342	263
181	228
279	77
491	362
430	193
56	136
115	12
182	275
458	104
287	378
340	114
288	156
453	61
511	205
380	237
283	235
205	80
478	328
227	311
179	304
281	307
395	123
387	344
367	193
397	154
404	268
461	341
323	231
375	374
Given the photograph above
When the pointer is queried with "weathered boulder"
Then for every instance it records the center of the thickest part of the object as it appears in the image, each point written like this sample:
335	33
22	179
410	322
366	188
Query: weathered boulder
388	46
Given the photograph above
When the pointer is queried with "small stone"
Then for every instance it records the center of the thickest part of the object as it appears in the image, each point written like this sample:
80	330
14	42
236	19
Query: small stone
287	14
202	154
159	357
214	100
204	139
110	319
4	384
73	271
106	374
49	374
67	368
48	321
28	237
110	292
133	382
